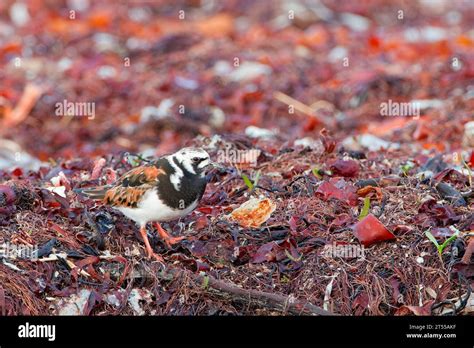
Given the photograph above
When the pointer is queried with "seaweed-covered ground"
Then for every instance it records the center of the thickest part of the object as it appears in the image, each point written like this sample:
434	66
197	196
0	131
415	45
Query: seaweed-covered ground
300	101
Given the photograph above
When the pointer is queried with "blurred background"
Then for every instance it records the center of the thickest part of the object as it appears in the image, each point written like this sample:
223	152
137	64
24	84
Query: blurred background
159	73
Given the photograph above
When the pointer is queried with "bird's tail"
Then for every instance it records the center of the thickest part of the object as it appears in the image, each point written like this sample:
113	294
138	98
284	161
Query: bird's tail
93	192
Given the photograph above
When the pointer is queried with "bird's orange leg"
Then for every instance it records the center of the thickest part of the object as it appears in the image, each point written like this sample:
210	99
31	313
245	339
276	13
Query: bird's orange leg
169	240
149	250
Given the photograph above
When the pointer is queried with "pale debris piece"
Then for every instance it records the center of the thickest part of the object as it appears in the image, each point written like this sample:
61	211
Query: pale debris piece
112	298
104	42
74	304
468	137
19	14
60	190
163	110
217	118
428	103
259	133
368	141
456	303
425	34
327	293
59	179
63	255
431	292
355	22
12	266
313	144
248	71
13	156
137	295
78	5
337	54
186	83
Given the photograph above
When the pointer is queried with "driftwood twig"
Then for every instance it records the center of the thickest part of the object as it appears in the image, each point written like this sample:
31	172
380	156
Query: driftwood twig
287	304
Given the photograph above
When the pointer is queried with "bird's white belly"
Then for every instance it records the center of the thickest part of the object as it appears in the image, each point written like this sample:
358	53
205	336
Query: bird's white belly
151	208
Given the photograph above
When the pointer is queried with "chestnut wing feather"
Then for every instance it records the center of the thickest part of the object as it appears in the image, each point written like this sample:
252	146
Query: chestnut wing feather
131	187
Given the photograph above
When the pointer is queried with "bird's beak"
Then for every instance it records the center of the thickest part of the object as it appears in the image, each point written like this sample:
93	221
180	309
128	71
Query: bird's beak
213	164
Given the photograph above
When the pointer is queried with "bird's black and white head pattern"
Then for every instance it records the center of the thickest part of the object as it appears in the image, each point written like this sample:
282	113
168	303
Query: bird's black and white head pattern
194	160
188	161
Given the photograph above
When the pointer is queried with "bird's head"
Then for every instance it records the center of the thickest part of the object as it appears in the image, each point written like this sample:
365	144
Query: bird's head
194	160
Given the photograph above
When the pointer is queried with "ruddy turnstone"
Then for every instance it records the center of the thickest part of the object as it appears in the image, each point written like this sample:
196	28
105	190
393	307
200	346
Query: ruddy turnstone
166	189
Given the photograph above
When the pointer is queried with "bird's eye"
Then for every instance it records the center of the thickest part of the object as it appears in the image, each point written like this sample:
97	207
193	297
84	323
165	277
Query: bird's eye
196	159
